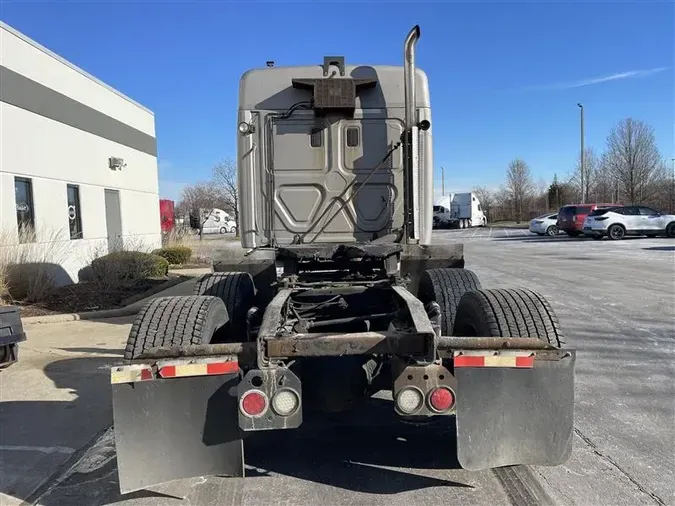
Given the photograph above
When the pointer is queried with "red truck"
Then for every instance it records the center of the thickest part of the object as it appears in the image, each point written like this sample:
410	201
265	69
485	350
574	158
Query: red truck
166	215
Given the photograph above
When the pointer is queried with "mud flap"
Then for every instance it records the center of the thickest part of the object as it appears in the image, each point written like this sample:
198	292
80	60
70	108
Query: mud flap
508	416
168	429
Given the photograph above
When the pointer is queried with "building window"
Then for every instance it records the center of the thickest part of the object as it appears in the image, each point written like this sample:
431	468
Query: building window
25	219
316	138
74	215
352	137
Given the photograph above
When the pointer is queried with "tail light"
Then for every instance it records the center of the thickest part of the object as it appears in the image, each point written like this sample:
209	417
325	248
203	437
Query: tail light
285	402
409	400
538	222
253	403
441	399
601	218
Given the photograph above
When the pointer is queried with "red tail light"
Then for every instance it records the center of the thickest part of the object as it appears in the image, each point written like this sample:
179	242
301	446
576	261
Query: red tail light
441	399
253	403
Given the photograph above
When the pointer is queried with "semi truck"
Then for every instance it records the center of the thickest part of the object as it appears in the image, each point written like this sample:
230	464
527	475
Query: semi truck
338	293
458	210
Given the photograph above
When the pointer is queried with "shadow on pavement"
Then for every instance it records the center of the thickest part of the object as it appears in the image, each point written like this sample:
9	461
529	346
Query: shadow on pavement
344	452
539	238
660	248
40	437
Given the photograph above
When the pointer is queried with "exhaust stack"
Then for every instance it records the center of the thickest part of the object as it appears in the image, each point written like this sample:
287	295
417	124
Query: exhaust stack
410	141
409	75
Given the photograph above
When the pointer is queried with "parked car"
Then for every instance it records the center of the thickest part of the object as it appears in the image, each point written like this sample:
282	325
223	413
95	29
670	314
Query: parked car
546	224
571	217
618	222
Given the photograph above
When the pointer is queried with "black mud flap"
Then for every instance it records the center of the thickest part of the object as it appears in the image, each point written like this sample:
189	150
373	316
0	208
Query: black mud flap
510	416
168	429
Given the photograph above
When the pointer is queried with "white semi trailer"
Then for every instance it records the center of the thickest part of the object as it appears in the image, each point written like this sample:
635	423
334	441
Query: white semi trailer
458	210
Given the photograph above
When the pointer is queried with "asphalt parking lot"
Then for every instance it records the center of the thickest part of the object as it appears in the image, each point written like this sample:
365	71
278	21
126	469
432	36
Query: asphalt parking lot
616	303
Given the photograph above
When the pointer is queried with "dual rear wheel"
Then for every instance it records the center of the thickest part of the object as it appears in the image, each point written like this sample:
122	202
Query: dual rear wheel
467	310
215	313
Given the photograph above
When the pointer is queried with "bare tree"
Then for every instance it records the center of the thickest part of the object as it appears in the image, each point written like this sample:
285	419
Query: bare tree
199	201
590	174
540	201
224	176
634	161
486	198
605	189
518	185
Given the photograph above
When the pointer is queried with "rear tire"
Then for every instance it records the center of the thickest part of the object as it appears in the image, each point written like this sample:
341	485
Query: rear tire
573	233
552	230
175	321
237	291
223	230
507	313
670	230
446	287
616	232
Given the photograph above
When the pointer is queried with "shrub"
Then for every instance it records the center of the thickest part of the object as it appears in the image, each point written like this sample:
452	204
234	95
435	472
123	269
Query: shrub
175	255
30	263
128	267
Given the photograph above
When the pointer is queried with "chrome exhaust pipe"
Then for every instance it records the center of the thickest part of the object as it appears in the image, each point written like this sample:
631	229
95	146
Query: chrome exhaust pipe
410	164
409	75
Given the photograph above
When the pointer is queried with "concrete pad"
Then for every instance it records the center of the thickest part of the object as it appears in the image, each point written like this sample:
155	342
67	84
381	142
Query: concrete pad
55	399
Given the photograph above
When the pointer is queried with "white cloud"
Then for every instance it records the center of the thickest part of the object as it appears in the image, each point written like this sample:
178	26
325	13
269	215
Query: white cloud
630	74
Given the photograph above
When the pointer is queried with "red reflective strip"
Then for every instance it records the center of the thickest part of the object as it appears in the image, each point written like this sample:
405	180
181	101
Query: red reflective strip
168	371
222	367
469	361
524	361
146	374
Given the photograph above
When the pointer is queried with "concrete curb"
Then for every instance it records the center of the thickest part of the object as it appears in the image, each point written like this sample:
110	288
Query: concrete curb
89	315
129	310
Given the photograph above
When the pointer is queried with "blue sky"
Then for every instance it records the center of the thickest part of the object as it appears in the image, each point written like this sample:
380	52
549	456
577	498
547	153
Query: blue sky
505	77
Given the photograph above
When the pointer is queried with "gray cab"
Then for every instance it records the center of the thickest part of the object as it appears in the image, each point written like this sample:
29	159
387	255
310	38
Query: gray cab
312	174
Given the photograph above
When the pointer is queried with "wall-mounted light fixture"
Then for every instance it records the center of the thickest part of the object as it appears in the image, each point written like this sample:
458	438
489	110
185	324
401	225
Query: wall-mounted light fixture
116	163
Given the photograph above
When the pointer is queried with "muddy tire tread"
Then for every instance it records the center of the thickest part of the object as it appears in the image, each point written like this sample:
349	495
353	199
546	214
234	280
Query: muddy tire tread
175	321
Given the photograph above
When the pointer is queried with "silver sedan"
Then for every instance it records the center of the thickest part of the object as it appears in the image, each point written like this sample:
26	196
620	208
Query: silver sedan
545	225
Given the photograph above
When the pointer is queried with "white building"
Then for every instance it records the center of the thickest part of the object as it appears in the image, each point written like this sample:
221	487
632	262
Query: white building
78	160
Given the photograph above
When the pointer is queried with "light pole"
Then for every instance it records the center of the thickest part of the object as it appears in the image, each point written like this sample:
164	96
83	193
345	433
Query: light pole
583	155
442	181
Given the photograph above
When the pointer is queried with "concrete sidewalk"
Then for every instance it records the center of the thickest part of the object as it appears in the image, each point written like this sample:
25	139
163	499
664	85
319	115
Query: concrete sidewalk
55	399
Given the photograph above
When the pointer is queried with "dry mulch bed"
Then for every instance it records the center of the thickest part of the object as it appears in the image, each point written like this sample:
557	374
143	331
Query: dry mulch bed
86	296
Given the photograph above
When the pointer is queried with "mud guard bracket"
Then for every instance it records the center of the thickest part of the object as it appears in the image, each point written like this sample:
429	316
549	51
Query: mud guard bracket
168	429
508	416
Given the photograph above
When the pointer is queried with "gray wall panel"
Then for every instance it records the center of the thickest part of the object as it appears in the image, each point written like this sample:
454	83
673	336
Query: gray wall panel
20	91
